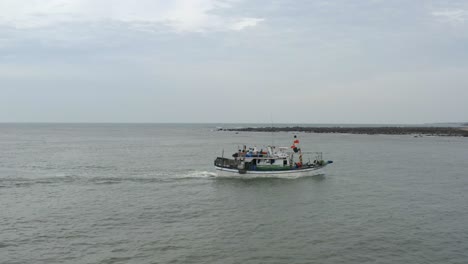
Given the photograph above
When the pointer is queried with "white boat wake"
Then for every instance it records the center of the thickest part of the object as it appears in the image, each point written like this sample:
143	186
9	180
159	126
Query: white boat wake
200	174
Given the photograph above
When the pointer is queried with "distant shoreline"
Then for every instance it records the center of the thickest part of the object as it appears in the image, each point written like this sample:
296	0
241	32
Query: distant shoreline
420	131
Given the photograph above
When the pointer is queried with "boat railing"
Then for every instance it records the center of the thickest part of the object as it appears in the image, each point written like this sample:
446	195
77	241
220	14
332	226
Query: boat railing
317	155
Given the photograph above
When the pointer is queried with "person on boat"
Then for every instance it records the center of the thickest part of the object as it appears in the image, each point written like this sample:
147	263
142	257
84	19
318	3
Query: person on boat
295	145
254	164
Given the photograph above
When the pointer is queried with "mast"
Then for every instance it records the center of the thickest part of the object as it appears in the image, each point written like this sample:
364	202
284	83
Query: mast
272	138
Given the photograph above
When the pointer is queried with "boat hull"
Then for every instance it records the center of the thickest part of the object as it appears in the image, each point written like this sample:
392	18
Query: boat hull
226	172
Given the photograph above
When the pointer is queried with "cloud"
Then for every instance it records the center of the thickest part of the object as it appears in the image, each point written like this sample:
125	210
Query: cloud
177	15
246	22
452	16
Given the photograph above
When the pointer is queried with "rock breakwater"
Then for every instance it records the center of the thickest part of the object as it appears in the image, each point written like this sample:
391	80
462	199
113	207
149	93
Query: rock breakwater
420	131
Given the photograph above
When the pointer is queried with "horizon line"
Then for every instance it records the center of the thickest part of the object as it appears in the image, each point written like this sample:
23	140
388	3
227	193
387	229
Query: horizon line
267	123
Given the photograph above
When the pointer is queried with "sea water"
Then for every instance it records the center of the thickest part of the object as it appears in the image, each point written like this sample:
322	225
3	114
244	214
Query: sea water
148	193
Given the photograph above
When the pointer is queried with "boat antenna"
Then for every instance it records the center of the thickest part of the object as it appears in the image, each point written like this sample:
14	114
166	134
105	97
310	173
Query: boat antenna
272	138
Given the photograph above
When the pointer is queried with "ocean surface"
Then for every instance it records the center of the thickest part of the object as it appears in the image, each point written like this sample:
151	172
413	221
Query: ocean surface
148	193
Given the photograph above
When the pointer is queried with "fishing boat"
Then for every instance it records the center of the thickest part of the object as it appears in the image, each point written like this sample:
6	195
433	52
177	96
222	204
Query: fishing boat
271	162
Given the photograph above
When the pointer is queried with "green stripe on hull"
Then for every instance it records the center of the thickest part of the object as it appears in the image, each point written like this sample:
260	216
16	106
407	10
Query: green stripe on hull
273	168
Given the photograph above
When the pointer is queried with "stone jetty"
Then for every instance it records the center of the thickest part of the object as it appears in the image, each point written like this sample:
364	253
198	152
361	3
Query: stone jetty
417	131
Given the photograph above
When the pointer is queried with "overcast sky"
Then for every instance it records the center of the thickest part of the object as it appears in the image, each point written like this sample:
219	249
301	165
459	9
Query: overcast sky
286	61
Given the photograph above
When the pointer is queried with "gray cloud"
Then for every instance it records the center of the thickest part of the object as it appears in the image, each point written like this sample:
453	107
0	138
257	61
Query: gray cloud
306	61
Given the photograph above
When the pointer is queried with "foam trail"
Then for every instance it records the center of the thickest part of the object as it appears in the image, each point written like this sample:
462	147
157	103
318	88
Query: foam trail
200	174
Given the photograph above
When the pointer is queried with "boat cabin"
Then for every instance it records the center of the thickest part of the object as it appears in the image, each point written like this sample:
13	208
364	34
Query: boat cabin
272	159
